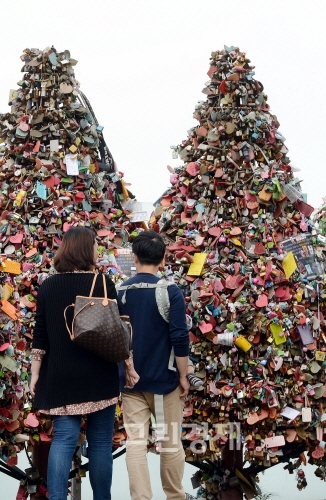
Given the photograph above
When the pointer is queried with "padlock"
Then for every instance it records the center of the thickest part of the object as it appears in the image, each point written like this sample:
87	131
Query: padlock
81	472
32	488
267	461
240	395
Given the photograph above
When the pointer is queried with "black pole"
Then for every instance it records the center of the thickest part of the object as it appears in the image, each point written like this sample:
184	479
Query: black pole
232	459
40	457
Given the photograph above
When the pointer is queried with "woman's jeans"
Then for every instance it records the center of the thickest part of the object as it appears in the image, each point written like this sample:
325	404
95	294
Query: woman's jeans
99	437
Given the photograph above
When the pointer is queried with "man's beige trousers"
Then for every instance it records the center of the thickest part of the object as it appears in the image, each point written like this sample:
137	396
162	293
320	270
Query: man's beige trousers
137	409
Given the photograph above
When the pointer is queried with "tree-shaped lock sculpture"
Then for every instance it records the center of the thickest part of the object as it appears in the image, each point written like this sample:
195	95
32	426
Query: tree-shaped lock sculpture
55	172
250	263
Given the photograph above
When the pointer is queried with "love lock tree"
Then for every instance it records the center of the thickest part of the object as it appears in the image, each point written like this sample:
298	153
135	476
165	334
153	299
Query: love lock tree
250	263
56	172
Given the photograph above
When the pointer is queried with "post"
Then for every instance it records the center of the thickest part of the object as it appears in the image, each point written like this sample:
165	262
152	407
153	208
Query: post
232	459
40	462
76	481
40	457
76	488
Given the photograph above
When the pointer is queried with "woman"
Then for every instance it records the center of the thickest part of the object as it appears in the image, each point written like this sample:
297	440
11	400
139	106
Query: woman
67	380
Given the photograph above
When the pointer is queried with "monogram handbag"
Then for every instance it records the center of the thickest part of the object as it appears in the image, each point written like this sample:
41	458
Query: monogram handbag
98	326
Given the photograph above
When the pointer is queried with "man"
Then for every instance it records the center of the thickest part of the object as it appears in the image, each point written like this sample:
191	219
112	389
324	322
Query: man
160	355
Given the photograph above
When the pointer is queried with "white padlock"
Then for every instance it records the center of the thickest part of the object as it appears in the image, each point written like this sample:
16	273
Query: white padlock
239	394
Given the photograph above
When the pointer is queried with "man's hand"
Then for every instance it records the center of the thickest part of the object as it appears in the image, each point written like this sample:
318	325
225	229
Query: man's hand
184	384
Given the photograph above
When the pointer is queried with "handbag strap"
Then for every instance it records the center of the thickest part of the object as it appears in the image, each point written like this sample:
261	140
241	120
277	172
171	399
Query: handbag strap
126	320
93	285
65	316
105	300
71	332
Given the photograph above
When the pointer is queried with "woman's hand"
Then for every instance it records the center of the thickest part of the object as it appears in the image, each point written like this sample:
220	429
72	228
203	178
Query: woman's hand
132	377
37	357
33	383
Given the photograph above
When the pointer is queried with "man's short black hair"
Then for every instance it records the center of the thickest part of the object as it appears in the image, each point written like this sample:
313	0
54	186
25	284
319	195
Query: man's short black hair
149	248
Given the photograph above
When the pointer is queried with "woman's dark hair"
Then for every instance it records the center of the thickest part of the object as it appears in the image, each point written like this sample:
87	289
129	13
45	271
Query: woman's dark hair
76	251
149	248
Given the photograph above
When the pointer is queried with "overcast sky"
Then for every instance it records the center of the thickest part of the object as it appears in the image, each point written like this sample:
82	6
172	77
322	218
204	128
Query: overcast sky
142	65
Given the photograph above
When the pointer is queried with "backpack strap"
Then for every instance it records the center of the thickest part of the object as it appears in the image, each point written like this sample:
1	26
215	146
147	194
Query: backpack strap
161	295
159	417
134	286
162	299
163	304
171	361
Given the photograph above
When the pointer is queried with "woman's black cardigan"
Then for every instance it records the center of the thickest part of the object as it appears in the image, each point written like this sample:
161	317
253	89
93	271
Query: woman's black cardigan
69	374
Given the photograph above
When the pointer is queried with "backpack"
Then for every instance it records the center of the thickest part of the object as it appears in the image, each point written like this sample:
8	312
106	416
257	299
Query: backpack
162	301
161	296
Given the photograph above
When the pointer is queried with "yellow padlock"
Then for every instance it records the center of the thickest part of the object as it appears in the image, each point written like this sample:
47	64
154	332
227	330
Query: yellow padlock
242	343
